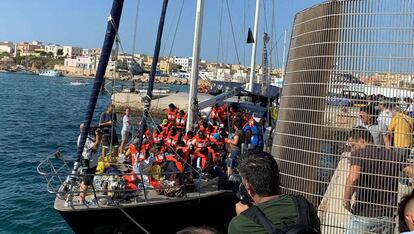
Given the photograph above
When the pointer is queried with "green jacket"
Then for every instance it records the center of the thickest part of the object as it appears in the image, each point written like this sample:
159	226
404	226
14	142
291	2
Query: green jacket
281	211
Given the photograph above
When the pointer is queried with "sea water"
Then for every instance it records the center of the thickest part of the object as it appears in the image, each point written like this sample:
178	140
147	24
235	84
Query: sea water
38	115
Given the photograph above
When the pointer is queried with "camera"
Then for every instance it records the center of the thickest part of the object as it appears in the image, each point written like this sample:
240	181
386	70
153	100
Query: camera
234	183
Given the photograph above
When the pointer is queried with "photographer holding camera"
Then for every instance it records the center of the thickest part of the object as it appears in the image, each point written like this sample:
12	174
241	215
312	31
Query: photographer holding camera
263	209
89	161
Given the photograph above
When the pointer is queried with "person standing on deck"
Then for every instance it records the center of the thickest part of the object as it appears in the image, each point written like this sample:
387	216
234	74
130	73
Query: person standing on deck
126	129
373	177
107	123
89	161
235	145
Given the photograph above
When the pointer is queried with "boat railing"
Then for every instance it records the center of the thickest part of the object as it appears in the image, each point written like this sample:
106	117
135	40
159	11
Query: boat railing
65	183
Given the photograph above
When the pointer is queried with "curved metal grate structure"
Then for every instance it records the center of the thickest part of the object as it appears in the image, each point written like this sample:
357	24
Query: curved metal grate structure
350	70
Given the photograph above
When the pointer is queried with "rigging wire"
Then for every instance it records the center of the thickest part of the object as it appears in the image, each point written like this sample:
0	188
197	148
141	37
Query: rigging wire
164	42
132	219
265	16
219	34
176	27
232	31
135	29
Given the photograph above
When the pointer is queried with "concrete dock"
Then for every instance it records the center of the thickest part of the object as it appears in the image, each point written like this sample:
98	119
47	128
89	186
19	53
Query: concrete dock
158	106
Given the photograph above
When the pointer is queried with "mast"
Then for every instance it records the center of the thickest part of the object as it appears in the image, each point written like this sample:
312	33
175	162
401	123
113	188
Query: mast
148	97
192	97
111	30
253	58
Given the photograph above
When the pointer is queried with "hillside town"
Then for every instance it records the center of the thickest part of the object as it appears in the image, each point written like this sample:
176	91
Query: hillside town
75	61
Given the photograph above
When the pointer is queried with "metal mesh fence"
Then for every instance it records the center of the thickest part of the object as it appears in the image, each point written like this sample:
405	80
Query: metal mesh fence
345	126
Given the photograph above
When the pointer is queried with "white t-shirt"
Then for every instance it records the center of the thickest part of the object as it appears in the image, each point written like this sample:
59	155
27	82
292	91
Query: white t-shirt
384	119
126	124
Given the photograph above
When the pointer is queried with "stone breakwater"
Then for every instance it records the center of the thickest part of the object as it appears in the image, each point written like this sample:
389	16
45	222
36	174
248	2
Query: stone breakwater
90	73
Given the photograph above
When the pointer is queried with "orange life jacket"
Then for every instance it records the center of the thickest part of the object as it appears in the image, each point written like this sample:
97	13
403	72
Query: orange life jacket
181	121
171	115
172	140
185	151
200	143
214	154
179	165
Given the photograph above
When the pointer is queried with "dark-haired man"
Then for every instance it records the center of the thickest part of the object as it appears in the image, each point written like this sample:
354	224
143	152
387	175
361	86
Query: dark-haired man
373	177
406	214
261	178
368	119
107	123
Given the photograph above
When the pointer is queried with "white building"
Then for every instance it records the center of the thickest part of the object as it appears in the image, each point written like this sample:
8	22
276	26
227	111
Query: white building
38	43
72	51
53	48
185	63
6	47
86	52
86	62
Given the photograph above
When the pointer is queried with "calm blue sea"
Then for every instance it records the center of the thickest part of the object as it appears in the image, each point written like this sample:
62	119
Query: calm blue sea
37	116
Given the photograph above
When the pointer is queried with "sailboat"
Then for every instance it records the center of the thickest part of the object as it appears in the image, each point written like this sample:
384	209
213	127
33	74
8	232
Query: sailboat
143	210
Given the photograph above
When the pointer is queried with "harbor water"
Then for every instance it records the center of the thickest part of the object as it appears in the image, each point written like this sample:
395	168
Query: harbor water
38	116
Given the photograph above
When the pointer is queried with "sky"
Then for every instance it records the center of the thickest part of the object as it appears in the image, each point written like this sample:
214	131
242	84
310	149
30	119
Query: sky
83	22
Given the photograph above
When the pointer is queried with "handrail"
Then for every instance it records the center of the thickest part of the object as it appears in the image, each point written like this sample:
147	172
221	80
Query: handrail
56	171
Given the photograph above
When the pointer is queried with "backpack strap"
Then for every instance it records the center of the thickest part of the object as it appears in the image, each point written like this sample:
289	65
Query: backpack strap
257	216
303	224
302	208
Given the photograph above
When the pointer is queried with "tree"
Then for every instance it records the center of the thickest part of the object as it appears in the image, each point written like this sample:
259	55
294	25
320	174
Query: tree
175	67
59	52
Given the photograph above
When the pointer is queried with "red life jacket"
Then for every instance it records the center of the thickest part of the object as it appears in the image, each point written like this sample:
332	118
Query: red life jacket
133	151
157	137
159	158
217	115
172	140
171	115
203	158
131	181
188	141
181	121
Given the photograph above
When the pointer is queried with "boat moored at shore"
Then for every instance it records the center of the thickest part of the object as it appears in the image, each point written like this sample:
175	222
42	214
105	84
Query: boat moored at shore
51	73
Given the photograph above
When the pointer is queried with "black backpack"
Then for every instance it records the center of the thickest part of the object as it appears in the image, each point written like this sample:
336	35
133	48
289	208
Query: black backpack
302	226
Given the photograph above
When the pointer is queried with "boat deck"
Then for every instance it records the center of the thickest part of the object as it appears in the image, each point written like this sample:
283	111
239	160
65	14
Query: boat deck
151	197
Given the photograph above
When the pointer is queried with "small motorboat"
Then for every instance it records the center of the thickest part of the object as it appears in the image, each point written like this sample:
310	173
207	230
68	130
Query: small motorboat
51	73
78	83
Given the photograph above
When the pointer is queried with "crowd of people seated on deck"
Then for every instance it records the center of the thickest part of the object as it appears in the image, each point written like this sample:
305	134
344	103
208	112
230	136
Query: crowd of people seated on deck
211	149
